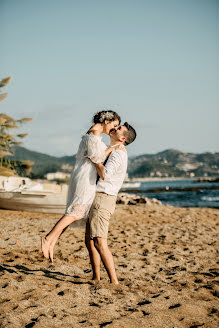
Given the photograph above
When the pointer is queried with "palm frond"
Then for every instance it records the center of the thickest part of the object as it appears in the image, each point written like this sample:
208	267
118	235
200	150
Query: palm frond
3	96
25	119
22	135
4	153
5	81
6	172
16	143
27	164
7	118
10	126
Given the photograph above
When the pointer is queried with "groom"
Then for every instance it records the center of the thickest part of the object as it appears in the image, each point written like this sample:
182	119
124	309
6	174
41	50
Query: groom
112	177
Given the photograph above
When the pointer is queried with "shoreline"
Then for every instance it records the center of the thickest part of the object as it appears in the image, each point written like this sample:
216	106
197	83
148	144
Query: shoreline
167	189
150	179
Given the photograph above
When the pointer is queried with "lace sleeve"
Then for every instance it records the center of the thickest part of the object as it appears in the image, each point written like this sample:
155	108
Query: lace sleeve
95	152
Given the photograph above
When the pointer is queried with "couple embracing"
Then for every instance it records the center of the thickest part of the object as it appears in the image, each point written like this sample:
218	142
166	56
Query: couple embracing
95	181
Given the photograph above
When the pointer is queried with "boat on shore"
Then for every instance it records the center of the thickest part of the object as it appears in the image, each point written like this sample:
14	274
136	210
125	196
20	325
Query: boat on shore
130	184
23	194
33	201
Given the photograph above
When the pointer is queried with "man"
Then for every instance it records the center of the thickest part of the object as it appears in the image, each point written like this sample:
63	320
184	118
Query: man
112	177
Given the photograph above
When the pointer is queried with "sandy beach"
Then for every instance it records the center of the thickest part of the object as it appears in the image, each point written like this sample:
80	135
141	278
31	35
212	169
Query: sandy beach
165	258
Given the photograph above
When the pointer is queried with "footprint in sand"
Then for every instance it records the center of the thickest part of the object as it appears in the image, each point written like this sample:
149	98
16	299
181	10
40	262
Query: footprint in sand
215	293
5	285
94	304
155	296
144	302
61	293
34	320
145	313
174	306
30	325
105	324
19	279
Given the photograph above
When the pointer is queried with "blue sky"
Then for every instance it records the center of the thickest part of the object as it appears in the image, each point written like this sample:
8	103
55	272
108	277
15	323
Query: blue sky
154	62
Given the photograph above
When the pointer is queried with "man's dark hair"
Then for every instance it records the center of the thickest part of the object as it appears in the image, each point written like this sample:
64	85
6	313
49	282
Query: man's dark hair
130	134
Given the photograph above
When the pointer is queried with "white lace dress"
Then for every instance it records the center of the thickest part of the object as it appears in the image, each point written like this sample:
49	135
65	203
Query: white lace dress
82	185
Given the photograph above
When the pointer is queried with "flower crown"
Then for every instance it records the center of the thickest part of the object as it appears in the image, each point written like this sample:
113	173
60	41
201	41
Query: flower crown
106	116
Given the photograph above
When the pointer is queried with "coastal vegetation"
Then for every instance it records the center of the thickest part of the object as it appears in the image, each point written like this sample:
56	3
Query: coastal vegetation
8	166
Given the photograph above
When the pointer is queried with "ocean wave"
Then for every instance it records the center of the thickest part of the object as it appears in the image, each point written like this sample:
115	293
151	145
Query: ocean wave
210	199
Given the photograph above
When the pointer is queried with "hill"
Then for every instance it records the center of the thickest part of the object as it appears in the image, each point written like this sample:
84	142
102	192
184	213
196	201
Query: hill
43	163
168	163
172	162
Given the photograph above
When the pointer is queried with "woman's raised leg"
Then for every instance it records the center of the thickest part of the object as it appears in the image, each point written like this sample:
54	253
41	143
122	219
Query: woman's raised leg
48	242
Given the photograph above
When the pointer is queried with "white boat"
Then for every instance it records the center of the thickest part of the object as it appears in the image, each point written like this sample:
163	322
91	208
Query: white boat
129	184
25	195
33	201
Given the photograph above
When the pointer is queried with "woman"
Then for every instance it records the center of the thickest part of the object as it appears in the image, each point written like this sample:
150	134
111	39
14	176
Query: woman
82	186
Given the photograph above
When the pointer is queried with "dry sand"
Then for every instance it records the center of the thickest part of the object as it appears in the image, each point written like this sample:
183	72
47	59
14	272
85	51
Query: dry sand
165	259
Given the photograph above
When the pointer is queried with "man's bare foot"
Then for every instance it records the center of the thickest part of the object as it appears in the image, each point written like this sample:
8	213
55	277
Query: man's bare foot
45	247
95	279
94	282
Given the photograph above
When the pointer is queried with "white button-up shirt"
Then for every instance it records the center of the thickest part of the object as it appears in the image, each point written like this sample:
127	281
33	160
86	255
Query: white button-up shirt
115	172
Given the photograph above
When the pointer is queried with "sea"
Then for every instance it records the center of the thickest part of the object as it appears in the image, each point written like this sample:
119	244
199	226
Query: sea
205	194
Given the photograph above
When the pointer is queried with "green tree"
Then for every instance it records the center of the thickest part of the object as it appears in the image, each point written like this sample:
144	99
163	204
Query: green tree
8	141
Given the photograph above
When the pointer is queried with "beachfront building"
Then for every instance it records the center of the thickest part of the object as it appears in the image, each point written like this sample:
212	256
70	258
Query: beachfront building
57	176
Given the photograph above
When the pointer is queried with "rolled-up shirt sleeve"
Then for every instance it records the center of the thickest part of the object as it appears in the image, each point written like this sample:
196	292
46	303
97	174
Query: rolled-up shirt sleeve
113	163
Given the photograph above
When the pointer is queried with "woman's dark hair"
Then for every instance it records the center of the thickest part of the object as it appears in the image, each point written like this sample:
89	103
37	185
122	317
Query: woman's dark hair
130	134
109	115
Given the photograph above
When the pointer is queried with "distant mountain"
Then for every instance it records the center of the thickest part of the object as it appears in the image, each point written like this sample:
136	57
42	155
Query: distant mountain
43	163
172	162
168	163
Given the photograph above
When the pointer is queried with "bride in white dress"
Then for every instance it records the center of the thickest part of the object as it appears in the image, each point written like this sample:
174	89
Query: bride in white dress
82	186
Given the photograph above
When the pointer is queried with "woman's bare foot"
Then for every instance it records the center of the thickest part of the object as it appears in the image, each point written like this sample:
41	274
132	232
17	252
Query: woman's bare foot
45	247
51	253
